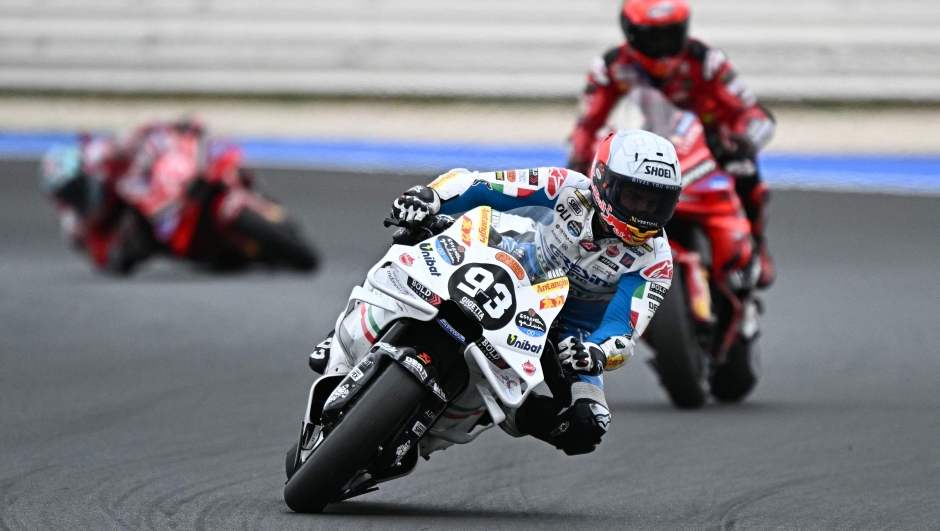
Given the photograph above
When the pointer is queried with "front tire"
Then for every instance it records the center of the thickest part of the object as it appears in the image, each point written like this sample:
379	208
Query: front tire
347	449
737	377
680	361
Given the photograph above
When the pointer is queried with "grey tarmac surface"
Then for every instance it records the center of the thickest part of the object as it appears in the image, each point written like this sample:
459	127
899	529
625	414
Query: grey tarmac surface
167	400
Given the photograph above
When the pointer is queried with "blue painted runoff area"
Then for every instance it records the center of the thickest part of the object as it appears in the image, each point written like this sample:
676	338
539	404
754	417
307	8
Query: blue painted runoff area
862	173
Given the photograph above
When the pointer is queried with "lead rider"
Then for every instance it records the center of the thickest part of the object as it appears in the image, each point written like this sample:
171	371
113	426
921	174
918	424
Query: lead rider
607	234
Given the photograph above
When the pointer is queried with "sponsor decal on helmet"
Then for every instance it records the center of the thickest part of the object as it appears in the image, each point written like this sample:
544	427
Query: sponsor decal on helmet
452	252
406	259
429	258
551	302
531	324
657	171
528	367
658	271
574	228
512	263
551	285
517	342
466	227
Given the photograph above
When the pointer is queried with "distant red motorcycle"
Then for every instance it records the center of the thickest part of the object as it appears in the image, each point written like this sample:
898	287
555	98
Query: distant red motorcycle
705	332
198	200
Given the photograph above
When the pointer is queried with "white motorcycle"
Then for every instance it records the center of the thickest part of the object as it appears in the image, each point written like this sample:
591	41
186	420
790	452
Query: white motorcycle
442	341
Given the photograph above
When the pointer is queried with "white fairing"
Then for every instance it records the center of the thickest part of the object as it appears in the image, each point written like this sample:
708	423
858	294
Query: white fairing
412	281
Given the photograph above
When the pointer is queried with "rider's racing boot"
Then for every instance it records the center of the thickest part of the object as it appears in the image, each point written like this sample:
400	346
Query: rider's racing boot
320	356
755	202
576	430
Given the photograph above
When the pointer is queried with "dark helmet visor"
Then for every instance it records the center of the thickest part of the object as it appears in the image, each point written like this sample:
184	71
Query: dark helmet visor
657	41
649	204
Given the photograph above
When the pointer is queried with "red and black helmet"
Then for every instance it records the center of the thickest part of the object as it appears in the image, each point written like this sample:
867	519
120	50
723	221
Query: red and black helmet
657	32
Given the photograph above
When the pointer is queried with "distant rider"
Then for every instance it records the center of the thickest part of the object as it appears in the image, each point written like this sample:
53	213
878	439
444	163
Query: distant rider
608	236
83	182
659	53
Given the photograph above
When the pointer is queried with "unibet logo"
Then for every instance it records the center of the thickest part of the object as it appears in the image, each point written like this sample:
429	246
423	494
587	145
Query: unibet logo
429	258
521	344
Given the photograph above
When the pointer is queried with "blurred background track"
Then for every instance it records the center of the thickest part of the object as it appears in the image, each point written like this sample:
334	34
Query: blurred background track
167	400
793	50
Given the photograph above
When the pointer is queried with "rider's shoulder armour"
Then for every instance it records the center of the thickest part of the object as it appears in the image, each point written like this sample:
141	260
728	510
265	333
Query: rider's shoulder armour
697	50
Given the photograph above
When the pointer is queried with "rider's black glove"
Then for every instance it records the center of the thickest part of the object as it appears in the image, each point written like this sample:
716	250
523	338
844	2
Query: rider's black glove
736	154
581	358
416	204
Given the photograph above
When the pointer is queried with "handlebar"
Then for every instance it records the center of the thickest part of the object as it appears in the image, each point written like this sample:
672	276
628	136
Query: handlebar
411	232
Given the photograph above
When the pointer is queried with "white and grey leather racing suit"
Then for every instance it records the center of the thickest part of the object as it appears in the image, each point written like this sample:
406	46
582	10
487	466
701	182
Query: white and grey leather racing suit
614	288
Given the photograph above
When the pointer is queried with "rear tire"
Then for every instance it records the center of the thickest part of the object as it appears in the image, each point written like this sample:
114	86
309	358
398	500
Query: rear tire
680	360
347	449
279	242
737	377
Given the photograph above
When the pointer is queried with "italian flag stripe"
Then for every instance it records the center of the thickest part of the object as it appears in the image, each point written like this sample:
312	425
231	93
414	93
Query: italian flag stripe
369	326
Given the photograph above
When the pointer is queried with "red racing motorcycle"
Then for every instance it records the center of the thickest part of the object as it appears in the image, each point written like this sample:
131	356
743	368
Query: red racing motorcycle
200	204
705	332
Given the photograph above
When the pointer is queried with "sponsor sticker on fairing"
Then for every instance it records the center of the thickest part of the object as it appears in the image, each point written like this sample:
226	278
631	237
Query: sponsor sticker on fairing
551	285
530	323
512	263
452	252
483	233
413	363
466	227
429	260
551	302
419	428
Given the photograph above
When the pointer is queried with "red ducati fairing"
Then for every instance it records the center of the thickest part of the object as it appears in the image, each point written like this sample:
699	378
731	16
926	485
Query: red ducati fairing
704	330
198	200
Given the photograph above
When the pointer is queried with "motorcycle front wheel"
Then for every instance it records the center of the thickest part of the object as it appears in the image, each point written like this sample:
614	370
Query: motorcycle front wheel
737	377
384	406
680	362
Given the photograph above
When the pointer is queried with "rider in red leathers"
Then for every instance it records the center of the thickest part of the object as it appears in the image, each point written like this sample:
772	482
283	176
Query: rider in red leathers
659	53
83	182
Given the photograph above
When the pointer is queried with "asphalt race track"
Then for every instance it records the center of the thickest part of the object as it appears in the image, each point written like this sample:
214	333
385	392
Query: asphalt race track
167	400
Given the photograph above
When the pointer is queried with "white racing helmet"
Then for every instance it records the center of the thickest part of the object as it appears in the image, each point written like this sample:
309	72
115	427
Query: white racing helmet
636	183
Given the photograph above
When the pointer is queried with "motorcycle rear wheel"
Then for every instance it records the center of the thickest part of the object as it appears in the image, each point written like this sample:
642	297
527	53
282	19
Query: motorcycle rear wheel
680	362
347	449
279	242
